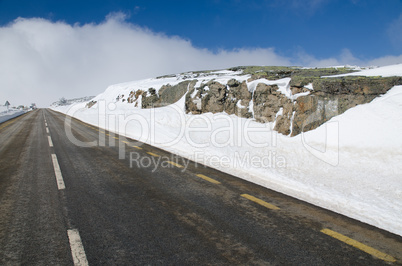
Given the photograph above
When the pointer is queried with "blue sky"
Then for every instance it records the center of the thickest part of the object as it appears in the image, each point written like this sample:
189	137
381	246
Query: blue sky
318	27
83	46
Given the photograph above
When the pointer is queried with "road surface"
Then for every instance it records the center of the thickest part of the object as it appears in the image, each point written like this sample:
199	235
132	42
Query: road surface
66	204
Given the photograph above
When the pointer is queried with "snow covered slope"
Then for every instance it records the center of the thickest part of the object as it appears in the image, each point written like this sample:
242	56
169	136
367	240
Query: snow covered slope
6	114
352	164
386	71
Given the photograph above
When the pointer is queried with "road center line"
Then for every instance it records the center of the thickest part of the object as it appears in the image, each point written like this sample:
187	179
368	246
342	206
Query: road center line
153	154
372	251
57	172
137	147
176	164
77	249
261	202
47	130
6	124
208	179
50	141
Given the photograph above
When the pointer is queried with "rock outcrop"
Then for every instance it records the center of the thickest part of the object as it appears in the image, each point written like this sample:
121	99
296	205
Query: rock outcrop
167	94
238	99
333	96
307	101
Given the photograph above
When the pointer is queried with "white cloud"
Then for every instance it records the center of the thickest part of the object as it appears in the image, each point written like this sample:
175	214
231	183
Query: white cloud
345	57
386	60
308	60
42	61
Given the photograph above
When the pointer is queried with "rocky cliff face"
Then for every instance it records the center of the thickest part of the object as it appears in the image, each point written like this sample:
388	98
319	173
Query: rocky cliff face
295	100
333	96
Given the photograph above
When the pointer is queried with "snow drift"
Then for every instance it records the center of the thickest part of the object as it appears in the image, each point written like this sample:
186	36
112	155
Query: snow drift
7	114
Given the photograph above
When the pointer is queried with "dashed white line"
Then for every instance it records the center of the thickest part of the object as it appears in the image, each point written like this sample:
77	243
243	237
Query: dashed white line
57	171
77	249
50	141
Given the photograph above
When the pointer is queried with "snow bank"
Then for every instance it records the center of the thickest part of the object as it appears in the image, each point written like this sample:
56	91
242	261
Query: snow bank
385	71
352	164
9	114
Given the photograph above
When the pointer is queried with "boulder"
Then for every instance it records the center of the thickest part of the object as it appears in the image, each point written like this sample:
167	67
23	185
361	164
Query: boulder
267	102
238	99
214	97
167	94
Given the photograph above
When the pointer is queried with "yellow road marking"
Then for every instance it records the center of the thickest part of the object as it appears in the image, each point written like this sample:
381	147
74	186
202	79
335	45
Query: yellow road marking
116	137
176	164
261	202
6	124
153	154
357	244
208	179
137	147
125	142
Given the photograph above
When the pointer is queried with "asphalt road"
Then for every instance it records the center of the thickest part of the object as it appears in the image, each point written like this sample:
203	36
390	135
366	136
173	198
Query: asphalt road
102	210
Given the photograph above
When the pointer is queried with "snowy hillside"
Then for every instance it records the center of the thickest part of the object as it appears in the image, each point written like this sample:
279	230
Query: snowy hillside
351	164
7	114
63	101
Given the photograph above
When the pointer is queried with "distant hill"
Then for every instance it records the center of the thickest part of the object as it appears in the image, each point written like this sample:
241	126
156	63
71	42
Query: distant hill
64	102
